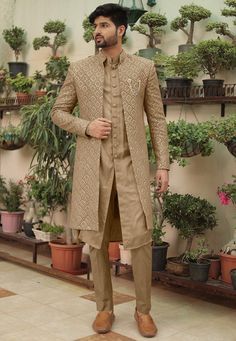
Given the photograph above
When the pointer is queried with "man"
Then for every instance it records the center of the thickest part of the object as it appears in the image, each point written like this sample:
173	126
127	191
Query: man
111	190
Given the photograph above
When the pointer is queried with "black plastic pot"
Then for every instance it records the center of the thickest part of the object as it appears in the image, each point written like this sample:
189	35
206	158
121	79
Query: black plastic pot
213	87
159	254
27	227
185	47
199	271
178	87
231	145
17	67
149	52
233	278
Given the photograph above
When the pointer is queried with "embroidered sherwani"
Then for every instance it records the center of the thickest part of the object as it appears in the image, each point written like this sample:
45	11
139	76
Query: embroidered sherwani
119	92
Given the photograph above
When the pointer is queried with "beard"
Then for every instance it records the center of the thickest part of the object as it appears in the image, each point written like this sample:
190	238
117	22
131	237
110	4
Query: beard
108	42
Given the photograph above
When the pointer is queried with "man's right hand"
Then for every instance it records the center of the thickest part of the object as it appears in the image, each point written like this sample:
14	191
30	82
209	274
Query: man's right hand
99	128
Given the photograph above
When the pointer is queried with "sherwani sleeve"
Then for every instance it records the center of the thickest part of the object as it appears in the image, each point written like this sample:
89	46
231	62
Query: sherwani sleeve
61	113
156	120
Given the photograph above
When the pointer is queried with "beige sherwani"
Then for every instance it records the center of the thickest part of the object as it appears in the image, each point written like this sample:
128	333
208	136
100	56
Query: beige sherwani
122	99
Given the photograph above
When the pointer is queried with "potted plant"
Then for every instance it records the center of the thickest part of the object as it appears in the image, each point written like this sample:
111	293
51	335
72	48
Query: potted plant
50	184
10	137
150	24
222	28
22	86
40	81
198	265
56	71
47	232
159	247
224	131
191	216
179	72
227	195
11	196
190	14
15	38
215	55
188	139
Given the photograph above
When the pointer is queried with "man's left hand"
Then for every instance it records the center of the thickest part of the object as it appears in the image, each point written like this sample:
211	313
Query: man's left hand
162	179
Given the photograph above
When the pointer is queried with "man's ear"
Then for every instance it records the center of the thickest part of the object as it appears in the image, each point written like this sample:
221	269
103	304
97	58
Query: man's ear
121	30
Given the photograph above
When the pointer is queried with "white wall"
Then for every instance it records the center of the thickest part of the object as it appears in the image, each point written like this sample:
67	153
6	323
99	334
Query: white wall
202	175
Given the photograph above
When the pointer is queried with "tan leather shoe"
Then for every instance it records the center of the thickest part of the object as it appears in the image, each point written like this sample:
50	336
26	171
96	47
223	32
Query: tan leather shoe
103	322
146	325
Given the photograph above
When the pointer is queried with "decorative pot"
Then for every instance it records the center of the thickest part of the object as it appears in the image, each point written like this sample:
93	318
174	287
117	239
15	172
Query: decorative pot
114	251
12	221
23	98
66	258
125	255
12	145
231	145
46	236
228	263
177	267
199	271
17	67
178	87
214	271
159	253
191	149
213	87
233	278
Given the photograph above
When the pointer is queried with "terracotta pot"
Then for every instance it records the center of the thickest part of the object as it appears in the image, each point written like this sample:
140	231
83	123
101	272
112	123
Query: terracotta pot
214	271
11	221
40	93
125	255
23	98
228	263
233	278
114	251
65	257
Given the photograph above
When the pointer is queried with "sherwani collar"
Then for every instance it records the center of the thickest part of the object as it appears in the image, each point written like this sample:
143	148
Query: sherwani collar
103	58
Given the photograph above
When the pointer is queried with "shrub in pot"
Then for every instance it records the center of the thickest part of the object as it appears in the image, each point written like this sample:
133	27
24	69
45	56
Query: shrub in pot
198	265
11	137
11	197
150	25
22	86
41	83
15	38
215	56
47	232
189	15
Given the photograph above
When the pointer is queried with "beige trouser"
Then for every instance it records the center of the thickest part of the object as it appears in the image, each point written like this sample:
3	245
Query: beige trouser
141	264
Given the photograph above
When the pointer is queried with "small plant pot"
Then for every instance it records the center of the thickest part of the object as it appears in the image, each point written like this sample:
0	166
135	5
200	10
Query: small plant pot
114	251
40	93
233	278
176	267
214	271
178	87
22	98
12	145
17	67
12	221
213	87
45	236
199	271
66	258
159	254
125	255
228	263
190	149
231	145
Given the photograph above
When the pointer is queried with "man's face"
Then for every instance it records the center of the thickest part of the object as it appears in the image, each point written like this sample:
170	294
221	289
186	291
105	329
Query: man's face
105	32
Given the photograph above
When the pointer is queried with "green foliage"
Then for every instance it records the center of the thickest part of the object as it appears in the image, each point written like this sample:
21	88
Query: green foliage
151	155
3	79
215	56
191	215
10	134
56	27
11	194
57	68
196	255
183	64
15	38
178	23
21	83
185	138
229	189
40	80
88	30
149	26
222	130
57	229
158	219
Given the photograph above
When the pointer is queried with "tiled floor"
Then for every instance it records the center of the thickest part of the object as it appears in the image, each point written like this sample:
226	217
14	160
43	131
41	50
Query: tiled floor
36	307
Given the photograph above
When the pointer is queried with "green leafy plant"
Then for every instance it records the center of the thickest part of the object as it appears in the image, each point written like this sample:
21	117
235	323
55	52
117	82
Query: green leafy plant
183	64
46	227
56	69
11	194
3	79
190	215
222	28
15	38
40	80
21	83
10	134
197	254
222	130
215	56
190	14
158	218
56	27
150	25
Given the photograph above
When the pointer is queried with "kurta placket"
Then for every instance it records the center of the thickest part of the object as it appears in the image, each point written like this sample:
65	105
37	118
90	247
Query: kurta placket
116	174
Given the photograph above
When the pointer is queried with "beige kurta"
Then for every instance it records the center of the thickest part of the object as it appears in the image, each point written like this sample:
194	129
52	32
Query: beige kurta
127	220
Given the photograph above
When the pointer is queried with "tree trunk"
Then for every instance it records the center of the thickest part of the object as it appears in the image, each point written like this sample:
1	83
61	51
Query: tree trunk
190	35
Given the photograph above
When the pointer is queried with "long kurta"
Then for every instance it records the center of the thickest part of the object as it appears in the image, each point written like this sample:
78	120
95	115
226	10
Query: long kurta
127	220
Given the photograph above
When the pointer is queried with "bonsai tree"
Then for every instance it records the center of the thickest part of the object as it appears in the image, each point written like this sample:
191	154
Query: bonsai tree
15	37
150	26
40	80
21	83
190	215
215	56
56	69
222	28
56	27
189	15
197	254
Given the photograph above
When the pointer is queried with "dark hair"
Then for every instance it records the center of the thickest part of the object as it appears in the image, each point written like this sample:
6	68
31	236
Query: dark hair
117	14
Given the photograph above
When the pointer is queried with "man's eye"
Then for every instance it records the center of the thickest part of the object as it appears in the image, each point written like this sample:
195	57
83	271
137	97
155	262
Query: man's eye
104	25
